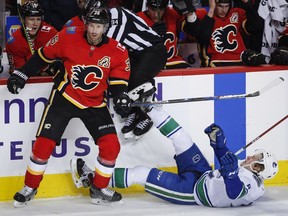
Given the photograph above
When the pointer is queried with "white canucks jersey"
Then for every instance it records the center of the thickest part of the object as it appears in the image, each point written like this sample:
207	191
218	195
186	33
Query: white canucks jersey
210	189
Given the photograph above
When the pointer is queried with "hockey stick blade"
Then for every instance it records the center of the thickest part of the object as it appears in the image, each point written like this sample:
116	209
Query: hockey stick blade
265	88
271	84
261	135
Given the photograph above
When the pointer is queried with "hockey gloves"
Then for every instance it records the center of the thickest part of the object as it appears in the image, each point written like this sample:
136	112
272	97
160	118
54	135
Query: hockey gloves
122	104
279	56
252	58
160	29
183	6
216	136
229	166
16	81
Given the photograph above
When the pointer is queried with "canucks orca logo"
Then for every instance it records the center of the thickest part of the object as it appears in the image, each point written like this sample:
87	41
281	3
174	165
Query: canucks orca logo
222	38
86	78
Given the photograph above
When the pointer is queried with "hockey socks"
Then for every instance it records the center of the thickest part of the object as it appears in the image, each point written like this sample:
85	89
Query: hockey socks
125	177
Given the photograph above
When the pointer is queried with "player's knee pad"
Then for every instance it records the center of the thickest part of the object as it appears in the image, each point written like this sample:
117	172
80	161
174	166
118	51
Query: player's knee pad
43	148
109	147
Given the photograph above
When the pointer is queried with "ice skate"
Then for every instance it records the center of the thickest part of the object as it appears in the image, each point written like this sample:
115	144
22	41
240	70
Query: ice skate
24	196
143	126
81	173
105	196
143	93
139	93
129	126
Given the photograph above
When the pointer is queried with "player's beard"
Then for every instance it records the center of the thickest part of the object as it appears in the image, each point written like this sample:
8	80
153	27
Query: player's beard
94	40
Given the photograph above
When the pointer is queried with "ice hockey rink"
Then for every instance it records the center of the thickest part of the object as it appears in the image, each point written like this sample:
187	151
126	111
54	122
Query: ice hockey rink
274	202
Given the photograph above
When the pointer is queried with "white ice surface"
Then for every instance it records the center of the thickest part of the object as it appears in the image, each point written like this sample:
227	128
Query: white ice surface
274	202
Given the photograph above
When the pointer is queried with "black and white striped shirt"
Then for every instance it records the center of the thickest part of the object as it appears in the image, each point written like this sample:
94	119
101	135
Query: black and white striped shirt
131	30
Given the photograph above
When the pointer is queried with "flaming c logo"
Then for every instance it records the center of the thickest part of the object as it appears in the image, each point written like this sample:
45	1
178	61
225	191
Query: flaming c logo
86	77
223	38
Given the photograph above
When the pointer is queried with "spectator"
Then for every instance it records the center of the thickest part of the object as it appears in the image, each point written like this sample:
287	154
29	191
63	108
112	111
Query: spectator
167	23
279	56
147	55
274	14
221	42
195	182
92	63
58	12
33	34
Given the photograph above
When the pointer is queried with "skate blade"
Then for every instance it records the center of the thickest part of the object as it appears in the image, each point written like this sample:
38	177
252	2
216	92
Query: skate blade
17	204
76	180
98	201
139	137
129	135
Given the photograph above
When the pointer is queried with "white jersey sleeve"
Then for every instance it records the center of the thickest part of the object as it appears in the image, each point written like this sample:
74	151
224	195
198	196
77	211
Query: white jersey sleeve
210	189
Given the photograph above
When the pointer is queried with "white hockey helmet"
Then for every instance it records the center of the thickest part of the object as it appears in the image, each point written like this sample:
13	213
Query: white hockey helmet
269	162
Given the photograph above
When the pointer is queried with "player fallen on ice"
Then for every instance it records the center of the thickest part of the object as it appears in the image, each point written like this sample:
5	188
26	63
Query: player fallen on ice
231	185
93	62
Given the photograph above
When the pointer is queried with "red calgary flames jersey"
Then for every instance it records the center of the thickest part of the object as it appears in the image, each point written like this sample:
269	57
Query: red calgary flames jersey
18	49
173	22
89	69
226	43
75	21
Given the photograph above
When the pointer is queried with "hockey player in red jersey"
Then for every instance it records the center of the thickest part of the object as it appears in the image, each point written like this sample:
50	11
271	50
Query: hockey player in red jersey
93	62
147	55
167	23
219	32
19	48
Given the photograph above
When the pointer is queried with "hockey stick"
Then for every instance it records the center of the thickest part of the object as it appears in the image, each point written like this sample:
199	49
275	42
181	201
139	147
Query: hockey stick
30	43
265	88
261	135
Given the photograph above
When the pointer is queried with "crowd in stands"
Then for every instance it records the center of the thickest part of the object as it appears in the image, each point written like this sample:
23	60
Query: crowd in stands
237	32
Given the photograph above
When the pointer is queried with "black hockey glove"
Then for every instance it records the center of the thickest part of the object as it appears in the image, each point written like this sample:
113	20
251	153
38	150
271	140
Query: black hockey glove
279	56
252	58
16	81
183	6
122	104
160	28
229	166
283	40
216	136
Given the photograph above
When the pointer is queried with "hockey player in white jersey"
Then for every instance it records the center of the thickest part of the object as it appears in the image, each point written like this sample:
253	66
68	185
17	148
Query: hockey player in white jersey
195	183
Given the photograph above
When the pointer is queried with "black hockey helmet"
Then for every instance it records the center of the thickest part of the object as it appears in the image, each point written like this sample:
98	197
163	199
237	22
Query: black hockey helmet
97	15
31	8
97	3
157	3
93	3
